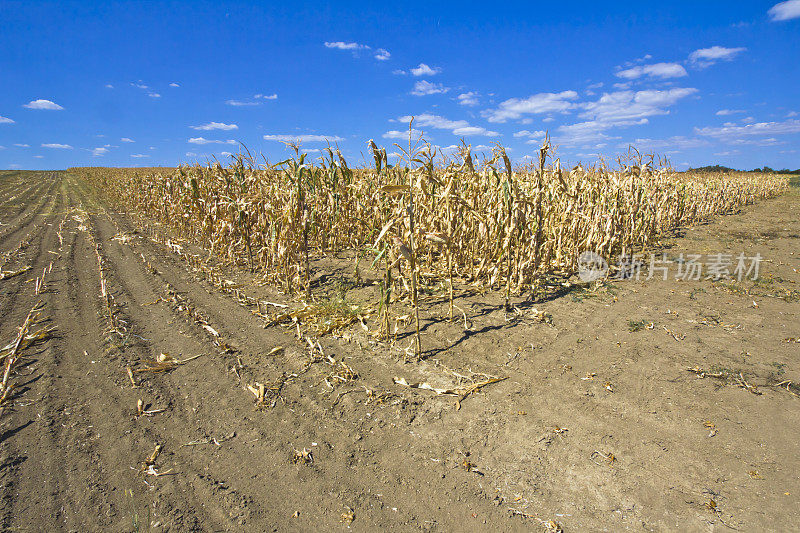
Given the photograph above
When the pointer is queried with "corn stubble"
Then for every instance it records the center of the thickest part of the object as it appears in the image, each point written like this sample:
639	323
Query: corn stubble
458	218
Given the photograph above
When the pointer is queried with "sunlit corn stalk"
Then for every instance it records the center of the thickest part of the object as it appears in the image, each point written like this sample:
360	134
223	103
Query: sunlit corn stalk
272	217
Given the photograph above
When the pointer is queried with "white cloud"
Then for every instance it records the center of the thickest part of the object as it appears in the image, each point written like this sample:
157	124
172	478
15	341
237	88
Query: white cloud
425	70
340	45
5	120
201	140
58	146
21	145
399	72
583	133
139	155
39	156
470	98
726	112
759	128
140	85
381	54
705	57
456	127
43	104
153	95
254	101
423	88
785	10
127	140
657	70
394	134
303	138
173	84
672	144
191	154
514	108
109	86
215	126
618	109
532	134
626	108
239	103
102	150
770	141
792	114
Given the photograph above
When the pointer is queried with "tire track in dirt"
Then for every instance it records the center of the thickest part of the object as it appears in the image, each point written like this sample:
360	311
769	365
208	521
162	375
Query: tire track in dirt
31	251
31	206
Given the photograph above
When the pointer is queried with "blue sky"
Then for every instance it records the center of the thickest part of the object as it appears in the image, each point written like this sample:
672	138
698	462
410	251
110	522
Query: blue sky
158	83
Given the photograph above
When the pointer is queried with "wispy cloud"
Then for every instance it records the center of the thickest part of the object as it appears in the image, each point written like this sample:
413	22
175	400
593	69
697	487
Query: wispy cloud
108	86
215	126
153	95
395	134
424	88
669	145
127	140
302	138
656	70
785	10
617	110
457	127
769	141
137	156
381	54
625	108
57	146
242	103
257	100
469	99
726	112
515	108
43	104
341	45
705	57
759	128
201	140
530	134
101	150
6	120
22	145
425	70
173	84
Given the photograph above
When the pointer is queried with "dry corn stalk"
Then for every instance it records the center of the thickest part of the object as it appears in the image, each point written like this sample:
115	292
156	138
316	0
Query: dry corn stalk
459	221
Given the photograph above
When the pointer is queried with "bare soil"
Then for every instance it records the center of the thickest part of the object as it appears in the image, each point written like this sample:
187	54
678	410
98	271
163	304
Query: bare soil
599	424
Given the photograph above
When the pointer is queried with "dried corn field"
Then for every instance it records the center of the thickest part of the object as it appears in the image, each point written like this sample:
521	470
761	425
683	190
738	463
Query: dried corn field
487	222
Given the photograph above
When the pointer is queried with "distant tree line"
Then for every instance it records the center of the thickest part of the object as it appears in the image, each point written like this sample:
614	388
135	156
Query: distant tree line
763	170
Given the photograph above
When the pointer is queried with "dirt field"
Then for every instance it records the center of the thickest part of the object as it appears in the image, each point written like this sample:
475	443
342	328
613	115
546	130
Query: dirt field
600	424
